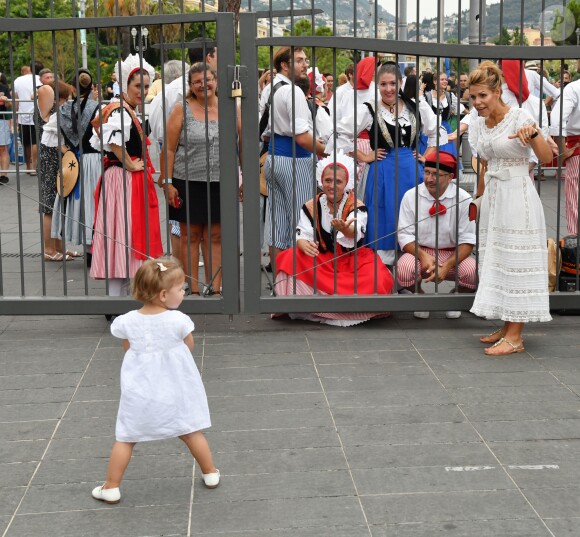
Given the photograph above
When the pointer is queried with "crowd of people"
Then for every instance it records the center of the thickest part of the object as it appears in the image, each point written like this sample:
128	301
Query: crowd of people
383	215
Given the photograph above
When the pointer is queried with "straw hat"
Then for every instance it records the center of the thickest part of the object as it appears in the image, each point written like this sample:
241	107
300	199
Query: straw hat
70	174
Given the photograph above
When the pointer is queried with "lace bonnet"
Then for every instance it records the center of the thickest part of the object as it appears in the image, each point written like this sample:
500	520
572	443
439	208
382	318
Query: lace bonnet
130	65
342	161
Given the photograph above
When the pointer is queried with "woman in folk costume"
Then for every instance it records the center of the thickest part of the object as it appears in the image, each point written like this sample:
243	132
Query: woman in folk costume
331	227
76	129
125	197
393	132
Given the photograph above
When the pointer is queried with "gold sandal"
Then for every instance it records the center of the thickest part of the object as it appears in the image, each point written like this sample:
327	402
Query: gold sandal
488	339
514	348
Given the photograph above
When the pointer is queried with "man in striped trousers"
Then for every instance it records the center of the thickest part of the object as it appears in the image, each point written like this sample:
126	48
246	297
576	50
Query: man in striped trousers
442	247
569	119
289	167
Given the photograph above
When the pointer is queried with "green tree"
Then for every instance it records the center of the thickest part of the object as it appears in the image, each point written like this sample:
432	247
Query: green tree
518	38
504	38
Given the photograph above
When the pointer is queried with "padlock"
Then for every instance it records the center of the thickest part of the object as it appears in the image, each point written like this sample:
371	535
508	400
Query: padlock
236	89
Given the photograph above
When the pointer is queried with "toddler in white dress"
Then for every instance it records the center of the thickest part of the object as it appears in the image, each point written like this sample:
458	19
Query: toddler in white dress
162	395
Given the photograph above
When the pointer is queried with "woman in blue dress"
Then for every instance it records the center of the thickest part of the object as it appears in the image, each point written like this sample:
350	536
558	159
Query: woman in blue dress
393	126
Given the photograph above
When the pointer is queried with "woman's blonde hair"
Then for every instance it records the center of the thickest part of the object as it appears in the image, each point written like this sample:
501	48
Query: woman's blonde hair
154	276
486	74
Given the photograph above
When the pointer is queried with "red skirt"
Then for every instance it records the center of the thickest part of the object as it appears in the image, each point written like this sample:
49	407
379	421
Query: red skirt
345	271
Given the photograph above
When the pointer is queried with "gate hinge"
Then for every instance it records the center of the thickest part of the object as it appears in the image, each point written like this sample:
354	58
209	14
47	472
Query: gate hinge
238	75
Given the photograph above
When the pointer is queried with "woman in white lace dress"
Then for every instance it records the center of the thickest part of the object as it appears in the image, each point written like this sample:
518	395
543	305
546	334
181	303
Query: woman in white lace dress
513	259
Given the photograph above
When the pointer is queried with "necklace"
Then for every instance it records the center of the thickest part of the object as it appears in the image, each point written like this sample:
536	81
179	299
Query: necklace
390	107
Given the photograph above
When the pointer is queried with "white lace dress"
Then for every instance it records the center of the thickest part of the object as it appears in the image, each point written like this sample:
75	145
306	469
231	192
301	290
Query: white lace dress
513	256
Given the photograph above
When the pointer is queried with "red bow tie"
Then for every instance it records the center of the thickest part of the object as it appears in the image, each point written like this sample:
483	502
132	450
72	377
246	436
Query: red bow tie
437	209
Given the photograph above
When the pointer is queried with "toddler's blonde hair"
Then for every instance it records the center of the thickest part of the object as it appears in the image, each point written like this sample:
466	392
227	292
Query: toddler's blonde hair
150	279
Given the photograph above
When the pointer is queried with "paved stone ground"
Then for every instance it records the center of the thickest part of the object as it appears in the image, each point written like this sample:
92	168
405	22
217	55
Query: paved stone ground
397	427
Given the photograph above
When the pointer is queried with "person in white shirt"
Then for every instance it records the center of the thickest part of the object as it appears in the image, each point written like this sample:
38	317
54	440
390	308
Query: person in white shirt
445	235
174	91
339	93
24	92
534	81
289	168
568	120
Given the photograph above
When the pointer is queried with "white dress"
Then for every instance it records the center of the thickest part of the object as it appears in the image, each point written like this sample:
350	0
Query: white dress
513	255
162	395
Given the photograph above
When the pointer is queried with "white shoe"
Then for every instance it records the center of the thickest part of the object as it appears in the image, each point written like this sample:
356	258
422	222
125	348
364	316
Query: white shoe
453	314
211	480
421	314
107	495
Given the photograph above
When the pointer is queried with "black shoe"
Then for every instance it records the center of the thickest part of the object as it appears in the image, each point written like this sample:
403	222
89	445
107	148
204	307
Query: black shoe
4	180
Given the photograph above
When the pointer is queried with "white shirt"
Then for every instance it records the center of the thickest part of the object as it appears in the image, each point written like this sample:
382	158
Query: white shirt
50	137
336	99
349	98
281	110
24	90
116	131
570	112
446	222
534	85
304	230
174	92
347	131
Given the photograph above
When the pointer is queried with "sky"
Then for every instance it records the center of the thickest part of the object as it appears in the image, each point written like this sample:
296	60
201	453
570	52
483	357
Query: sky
427	8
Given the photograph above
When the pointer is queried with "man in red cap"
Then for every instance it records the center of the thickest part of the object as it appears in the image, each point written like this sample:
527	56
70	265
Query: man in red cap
441	234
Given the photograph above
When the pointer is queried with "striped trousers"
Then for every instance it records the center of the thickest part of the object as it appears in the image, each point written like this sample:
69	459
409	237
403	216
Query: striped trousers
407	277
572	194
287	196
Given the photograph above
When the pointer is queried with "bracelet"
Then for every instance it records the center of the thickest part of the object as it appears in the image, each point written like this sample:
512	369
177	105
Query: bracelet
168	181
534	135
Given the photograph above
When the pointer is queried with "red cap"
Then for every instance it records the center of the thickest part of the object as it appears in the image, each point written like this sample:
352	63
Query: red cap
365	71
512	72
447	161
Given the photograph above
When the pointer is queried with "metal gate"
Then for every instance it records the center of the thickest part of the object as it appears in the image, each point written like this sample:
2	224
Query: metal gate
28	284
260	298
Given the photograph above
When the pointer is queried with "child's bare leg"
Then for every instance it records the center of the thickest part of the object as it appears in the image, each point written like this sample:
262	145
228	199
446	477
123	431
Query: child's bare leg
199	448
120	457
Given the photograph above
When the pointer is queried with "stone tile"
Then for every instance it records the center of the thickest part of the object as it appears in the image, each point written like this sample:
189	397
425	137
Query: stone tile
508	394
568	377
41	395
77	496
11	499
547	410
411	455
483	364
563	526
495	431
276	461
397	414
372	357
259	373
54	380
410	382
246	387
170	520
104	409
61	346
277	419
27	430
378	481
416	433
537	451
278	486
86	427
32	412
555	502
378	370
46	366
273	439
17	474
5	520
98	393
230	517
446	506
454	344
317	531
513	378
251	347
465	528
54	472
389	396
256	403
560	475
258	360
360	345
22	451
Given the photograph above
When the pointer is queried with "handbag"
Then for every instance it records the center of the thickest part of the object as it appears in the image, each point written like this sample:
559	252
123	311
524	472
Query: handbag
474	208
